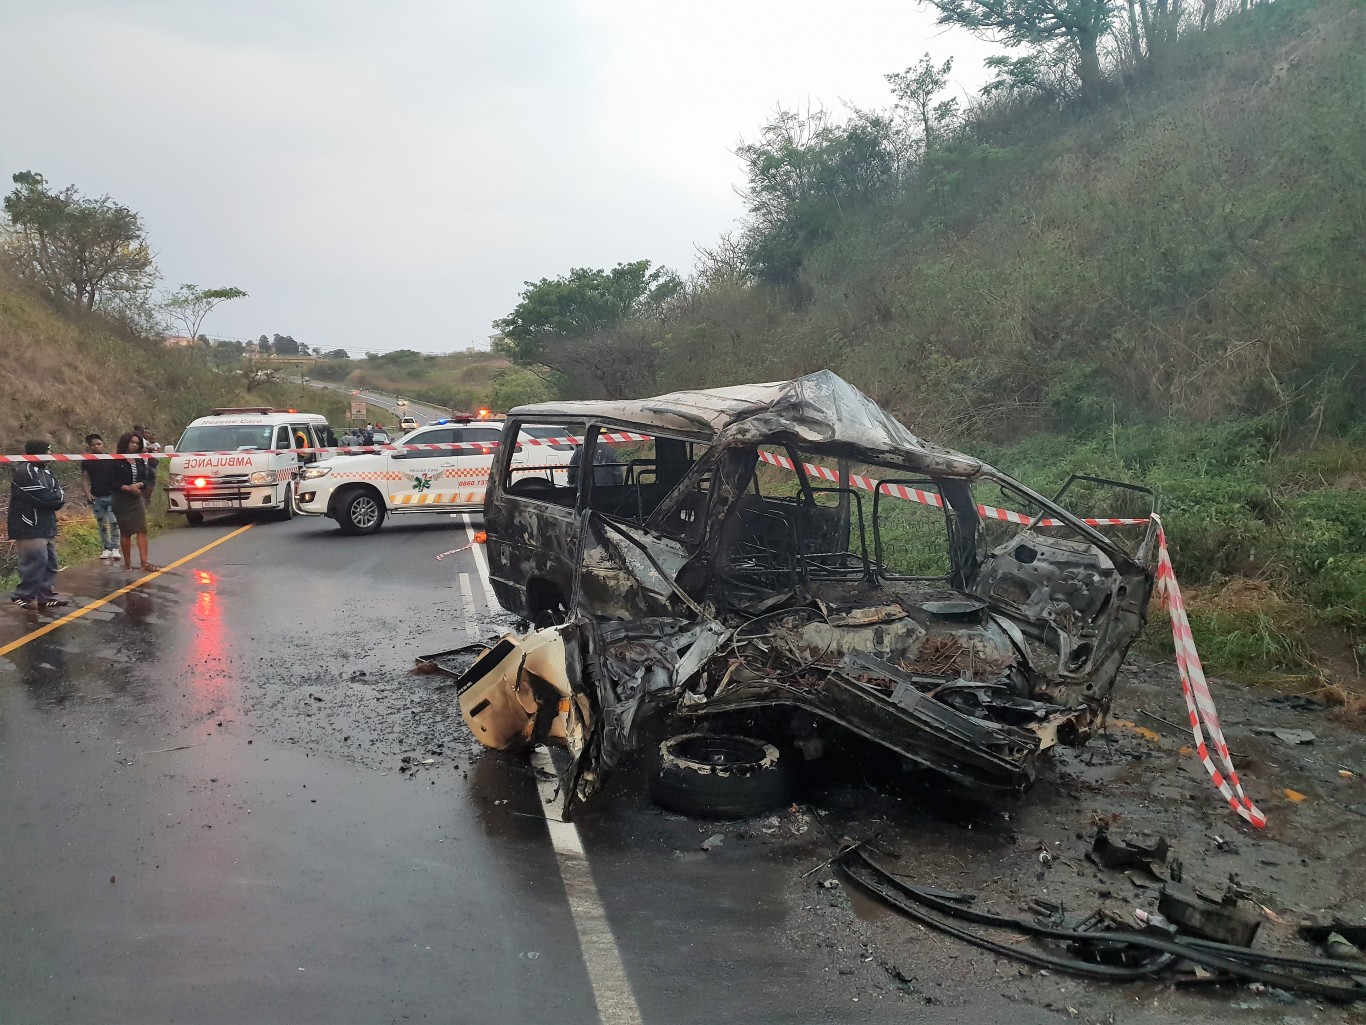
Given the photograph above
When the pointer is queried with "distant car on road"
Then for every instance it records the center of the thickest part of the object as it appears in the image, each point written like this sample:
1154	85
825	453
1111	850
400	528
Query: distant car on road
407	423
381	438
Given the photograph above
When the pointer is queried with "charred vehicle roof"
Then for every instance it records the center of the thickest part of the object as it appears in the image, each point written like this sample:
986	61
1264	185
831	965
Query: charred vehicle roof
792	550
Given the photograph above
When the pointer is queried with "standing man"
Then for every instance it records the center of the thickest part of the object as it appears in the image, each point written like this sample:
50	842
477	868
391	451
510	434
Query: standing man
97	478
34	498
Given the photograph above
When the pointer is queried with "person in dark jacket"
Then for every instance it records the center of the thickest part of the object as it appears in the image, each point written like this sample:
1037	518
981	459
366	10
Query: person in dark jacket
98	476
133	483
34	498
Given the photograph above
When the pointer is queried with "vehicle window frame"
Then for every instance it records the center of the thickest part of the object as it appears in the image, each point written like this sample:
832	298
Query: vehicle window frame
502	468
490	445
588	465
428	432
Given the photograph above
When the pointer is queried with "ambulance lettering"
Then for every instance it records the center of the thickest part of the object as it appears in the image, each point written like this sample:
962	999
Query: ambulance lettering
210	462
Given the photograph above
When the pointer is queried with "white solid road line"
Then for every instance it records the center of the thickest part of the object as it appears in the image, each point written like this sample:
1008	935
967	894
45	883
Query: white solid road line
611	989
482	562
471	616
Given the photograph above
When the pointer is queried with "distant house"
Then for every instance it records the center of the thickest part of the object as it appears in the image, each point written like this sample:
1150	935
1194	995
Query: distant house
174	340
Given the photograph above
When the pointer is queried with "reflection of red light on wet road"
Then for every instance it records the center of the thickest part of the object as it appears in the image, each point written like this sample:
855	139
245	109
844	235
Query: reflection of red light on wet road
206	667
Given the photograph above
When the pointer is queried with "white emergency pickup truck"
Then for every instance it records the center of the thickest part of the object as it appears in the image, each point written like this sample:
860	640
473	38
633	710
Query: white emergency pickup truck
242	459
359	490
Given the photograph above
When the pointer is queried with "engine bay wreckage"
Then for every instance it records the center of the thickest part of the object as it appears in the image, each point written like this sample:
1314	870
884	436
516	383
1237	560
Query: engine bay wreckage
790	552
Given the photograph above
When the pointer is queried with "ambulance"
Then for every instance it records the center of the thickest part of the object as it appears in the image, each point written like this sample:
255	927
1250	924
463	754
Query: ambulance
243	459
360	490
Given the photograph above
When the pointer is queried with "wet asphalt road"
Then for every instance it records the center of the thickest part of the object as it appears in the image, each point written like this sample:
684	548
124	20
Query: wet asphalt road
206	816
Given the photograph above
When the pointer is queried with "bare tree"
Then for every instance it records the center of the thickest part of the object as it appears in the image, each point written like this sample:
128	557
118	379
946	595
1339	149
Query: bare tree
188	305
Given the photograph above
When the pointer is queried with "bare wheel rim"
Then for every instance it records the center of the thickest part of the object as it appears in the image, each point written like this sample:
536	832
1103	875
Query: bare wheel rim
364	512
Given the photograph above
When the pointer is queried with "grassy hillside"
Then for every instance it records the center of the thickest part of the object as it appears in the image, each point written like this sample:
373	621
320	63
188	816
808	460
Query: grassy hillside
1194	249
63	376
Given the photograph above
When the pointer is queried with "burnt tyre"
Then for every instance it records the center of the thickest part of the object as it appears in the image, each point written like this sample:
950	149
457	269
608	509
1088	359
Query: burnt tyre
720	776
194	519
360	511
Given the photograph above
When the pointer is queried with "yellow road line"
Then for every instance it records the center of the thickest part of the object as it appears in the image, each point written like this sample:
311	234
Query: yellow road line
78	613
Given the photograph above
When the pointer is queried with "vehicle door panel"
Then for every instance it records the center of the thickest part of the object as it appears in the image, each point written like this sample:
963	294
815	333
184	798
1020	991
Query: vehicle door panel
533	522
474	463
422	478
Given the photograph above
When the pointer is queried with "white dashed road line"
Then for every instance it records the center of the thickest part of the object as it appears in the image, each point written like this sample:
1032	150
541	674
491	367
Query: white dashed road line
612	991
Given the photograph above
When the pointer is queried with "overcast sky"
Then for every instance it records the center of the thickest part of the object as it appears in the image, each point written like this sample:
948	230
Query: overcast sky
383	175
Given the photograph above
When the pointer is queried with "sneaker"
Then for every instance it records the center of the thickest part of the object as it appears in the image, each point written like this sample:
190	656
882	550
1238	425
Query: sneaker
109	553
25	603
54	603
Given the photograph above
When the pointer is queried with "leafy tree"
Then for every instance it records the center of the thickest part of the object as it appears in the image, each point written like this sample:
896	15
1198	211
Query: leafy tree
579	305
915	90
805	173
263	346
85	253
1080	23
225	352
338	354
284	345
188	305
516	386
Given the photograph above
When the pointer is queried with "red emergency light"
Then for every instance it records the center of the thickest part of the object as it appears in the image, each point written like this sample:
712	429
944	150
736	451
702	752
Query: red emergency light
201	482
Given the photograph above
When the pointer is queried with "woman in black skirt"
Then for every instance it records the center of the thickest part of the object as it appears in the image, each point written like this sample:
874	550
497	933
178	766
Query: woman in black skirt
132	490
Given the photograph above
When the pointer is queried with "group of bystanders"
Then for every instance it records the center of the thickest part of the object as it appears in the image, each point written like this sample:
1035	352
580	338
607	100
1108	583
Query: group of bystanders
119	492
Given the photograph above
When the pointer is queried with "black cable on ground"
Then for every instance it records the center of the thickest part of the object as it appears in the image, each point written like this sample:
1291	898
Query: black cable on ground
1233	961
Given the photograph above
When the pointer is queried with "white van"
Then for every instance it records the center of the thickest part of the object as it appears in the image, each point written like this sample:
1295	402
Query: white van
359	491
243	458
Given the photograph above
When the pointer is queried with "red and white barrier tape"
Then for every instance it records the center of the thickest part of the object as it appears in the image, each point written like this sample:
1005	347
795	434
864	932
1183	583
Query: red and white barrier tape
933	498
450	446
1199	702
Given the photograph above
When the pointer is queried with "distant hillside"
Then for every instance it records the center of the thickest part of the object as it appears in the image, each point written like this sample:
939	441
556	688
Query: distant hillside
458	381
63	375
